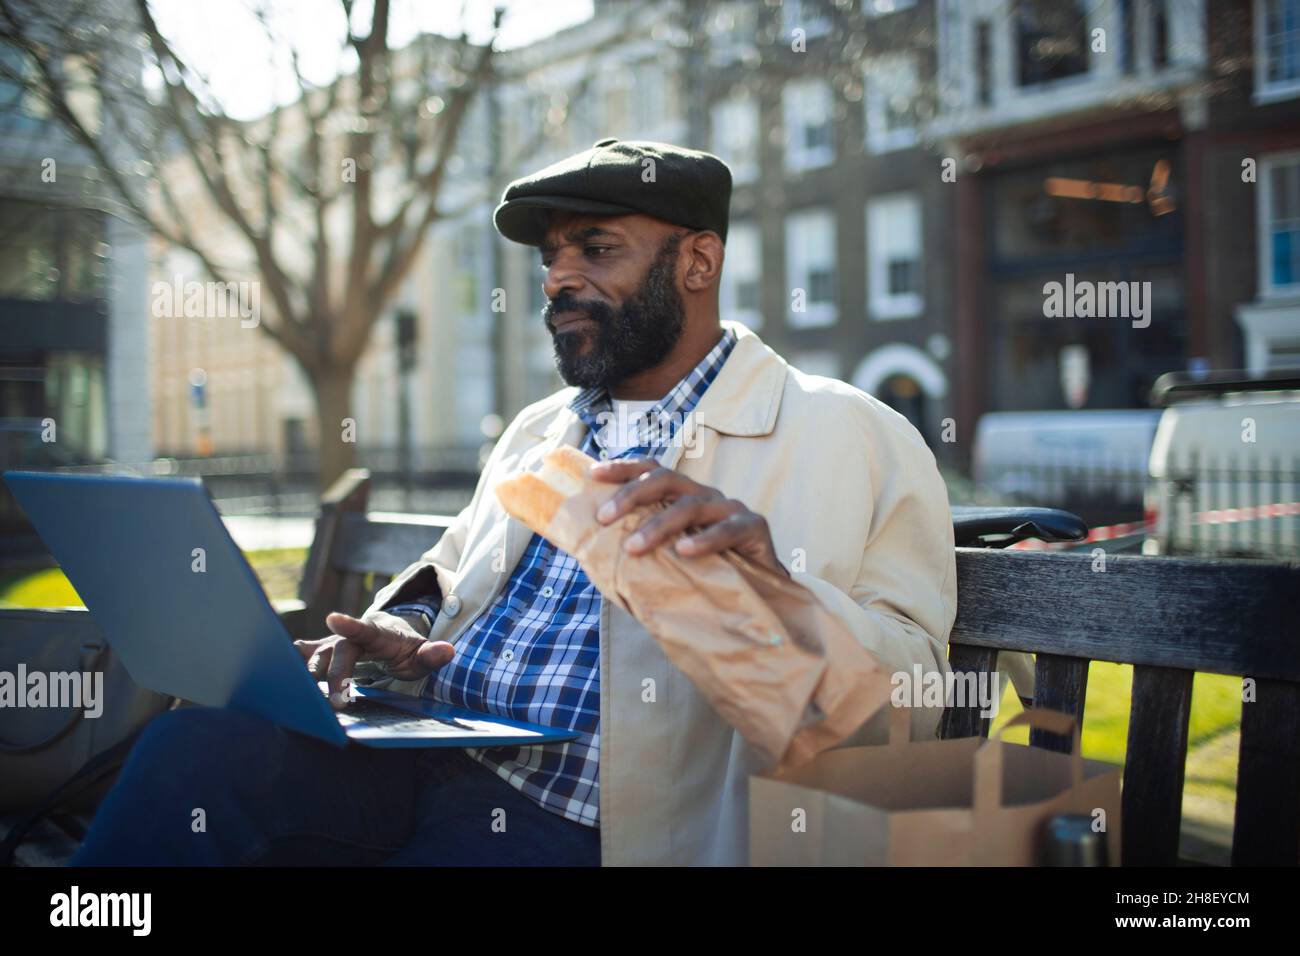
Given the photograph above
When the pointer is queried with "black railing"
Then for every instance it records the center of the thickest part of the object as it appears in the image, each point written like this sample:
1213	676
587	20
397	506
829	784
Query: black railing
433	479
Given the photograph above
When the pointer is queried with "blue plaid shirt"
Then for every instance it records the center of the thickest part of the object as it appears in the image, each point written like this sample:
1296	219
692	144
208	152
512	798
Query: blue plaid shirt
535	653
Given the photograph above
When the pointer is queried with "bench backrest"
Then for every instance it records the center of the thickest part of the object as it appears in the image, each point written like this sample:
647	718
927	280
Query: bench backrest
354	554
1168	617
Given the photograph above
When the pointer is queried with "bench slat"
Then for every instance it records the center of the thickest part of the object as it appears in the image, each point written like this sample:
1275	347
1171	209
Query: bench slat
388	547
1266	831
351	593
1154	765
348	495
1060	683
1166	612
966	721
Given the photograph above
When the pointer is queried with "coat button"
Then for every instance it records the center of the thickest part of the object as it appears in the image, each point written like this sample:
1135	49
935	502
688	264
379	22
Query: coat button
451	605
507	656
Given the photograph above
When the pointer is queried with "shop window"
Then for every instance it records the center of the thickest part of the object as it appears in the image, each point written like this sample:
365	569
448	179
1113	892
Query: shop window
1051	40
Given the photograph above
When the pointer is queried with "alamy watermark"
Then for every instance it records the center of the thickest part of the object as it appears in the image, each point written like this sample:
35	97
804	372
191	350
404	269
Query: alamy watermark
1101	300
208	300
930	688
61	689
76	908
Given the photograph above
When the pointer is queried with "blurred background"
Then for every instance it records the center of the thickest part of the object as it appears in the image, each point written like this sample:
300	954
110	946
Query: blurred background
252	241
225	223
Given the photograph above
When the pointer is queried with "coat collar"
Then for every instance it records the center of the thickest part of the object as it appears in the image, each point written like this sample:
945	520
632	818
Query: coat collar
744	399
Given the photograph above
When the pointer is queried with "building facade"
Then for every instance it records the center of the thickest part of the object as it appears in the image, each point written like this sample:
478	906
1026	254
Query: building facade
74	345
1142	146
910	177
821	110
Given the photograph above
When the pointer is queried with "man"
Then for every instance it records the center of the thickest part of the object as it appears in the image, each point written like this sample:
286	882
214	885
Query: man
803	474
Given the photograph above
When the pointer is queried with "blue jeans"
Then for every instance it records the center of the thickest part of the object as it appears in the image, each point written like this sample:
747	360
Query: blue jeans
210	786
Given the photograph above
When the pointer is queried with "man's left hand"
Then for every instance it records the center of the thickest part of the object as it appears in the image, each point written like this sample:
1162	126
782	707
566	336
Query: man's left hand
722	522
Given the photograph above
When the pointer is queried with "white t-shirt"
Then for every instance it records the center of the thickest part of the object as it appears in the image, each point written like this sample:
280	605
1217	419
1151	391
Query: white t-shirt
620	432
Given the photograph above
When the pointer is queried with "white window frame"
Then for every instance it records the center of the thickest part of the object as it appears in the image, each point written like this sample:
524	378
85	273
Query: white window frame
798	157
732	276
808	15
881	305
1264	232
648	100
728	45
1046	88
1266	92
744	166
871	9
881	139
815	314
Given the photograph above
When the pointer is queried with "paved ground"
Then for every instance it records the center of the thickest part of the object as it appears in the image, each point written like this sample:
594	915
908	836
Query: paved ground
261	533
1208	810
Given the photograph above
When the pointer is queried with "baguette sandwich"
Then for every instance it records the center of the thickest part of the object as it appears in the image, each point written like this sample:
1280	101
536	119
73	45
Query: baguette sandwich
535	497
757	644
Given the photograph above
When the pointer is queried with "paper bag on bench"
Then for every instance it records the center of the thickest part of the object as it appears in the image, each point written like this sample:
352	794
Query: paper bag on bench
957	802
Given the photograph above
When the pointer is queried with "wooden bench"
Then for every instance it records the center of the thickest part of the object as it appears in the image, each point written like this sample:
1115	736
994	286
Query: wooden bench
1168	617
354	555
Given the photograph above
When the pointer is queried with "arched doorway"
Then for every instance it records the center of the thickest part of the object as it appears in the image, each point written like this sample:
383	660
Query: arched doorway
907	380
903	394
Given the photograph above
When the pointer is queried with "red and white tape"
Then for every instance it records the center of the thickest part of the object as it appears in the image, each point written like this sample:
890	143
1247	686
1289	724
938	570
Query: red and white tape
1215	517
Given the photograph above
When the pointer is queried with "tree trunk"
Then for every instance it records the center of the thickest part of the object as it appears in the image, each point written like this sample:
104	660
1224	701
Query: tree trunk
335	425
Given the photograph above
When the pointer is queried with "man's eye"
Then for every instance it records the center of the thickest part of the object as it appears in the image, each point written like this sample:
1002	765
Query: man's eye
596	252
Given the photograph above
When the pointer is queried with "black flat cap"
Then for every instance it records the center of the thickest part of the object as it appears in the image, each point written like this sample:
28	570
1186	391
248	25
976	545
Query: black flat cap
614	178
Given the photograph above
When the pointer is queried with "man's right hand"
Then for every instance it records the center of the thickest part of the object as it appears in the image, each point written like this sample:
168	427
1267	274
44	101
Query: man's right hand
382	637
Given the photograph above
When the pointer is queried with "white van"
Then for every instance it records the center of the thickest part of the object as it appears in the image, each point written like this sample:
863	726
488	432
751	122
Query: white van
1225	468
1091	462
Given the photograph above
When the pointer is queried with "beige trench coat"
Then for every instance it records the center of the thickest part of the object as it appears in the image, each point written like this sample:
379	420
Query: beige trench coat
857	510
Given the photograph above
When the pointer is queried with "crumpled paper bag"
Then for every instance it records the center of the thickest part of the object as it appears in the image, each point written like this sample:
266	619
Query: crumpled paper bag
772	661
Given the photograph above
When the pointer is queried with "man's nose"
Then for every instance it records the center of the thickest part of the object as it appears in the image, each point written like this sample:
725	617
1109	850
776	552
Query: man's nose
560	277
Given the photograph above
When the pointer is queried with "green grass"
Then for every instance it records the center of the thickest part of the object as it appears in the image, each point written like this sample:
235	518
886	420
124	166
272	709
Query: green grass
1216	710
278	569
47	588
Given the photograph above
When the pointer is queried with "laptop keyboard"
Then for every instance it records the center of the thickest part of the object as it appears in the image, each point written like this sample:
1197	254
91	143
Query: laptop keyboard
375	714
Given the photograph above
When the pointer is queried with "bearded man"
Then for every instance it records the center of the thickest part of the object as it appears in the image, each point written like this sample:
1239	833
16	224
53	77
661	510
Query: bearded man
803	474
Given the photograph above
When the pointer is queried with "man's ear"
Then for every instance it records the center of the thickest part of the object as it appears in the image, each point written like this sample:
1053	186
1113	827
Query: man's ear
704	260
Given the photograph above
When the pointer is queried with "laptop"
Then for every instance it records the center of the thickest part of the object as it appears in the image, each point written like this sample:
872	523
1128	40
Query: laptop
178	603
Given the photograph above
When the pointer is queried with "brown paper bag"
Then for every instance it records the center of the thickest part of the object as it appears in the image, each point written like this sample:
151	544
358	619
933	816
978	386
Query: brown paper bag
757	644
957	802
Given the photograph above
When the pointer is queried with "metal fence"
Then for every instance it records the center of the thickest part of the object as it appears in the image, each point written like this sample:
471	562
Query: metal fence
1206	505
425	480
1224	505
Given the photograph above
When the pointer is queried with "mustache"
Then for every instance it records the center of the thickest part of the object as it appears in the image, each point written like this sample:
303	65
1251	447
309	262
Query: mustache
596	311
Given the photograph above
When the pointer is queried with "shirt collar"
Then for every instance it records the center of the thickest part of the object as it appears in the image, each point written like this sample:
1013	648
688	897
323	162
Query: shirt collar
671	410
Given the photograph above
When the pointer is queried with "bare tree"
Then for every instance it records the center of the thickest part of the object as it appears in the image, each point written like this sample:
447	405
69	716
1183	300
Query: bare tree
302	199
